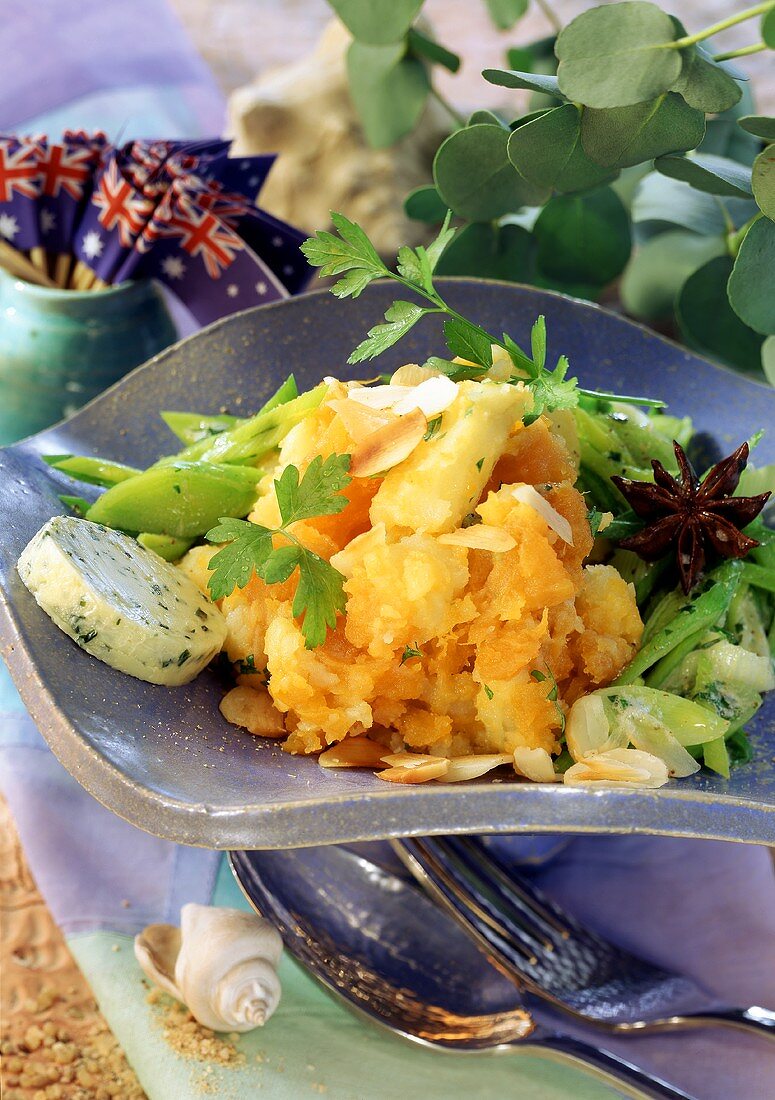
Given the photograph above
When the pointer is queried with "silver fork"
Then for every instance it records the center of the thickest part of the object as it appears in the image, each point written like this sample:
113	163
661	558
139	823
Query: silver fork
554	957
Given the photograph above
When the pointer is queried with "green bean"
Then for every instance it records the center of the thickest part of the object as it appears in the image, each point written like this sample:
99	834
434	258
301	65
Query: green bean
94	471
760	576
166	546
192	427
184	499
700	613
254	438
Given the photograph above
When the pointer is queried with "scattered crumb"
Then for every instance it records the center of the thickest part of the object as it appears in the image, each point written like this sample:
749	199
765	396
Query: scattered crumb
125	903
188	1038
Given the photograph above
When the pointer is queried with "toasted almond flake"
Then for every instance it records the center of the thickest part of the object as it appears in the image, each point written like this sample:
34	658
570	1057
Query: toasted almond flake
389	445
586	727
412	374
463	768
526	494
535	764
353	752
618	768
480	537
379	397
359	420
435	768
432	397
606	520
409	759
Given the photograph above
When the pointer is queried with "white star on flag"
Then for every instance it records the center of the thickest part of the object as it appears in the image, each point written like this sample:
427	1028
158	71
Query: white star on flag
92	244
232	290
277	241
48	221
253	181
288	269
173	267
261	288
9	226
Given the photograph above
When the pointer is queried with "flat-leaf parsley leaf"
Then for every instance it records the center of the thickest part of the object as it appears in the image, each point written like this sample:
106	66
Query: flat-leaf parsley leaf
249	547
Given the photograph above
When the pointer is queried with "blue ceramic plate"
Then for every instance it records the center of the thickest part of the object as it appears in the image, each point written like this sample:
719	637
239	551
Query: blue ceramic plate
166	760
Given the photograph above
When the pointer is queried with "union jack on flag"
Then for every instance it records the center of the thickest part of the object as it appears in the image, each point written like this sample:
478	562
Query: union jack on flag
19	169
66	169
201	233
120	206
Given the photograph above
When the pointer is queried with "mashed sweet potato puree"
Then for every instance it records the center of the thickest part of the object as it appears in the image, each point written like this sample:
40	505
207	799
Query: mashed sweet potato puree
444	649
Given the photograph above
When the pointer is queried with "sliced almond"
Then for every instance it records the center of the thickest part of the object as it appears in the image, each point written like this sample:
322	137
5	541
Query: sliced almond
618	768
463	768
535	764
359	420
432	397
435	768
586	727
480	537
412	374
526	494
606	520
389	445
409	759
379	397
353	752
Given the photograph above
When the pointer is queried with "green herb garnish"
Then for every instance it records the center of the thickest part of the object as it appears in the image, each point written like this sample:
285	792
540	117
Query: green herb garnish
320	594
350	253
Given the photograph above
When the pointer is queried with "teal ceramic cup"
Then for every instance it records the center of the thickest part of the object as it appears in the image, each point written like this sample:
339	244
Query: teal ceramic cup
60	348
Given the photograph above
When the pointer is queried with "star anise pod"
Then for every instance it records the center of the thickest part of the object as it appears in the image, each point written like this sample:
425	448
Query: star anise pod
690	514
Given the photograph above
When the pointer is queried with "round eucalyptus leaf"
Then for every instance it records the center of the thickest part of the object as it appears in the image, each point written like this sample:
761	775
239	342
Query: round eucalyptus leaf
662	203
424	205
388	89
618	137
761	126
768	28
486	118
617	55
488	251
714	175
704	84
768	359
534	82
476	179
751	282
583	238
763	180
709	324
378	22
660	267
505	13
547	151
724	137
423	46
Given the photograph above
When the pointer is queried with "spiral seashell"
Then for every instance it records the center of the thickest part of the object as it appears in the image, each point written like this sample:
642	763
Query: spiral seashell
221	964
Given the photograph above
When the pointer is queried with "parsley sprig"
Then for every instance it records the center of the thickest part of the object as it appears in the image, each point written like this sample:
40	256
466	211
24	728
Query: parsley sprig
250	546
350	253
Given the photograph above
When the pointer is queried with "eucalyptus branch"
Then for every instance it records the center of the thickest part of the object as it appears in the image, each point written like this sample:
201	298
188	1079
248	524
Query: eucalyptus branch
744	51
722	25
451	111
550	15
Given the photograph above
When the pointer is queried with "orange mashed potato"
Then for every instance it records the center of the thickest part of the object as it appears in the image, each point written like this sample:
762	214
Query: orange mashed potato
437	650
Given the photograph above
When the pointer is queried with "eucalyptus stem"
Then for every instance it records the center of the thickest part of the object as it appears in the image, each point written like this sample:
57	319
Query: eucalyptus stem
744	51
734	240
550	15
722	25
451	111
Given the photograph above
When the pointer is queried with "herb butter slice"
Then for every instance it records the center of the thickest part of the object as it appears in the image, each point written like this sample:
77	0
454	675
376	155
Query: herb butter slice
120	602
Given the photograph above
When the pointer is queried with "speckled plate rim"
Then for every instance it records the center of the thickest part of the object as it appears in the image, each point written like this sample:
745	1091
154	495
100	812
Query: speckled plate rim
375	814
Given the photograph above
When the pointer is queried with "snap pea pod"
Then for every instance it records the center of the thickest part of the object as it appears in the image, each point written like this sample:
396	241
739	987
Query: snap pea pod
192	427
166	546
94	471
184	499
255	437
699	613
